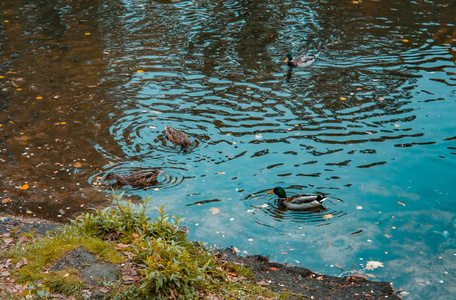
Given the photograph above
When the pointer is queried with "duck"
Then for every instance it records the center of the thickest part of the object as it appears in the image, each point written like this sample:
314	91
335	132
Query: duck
136	179
300	61
177	137
299	201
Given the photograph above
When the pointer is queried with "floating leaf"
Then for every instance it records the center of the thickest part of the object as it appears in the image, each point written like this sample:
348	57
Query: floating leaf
396	125
214	210
328	216
372	265
401	203
139	71
24	187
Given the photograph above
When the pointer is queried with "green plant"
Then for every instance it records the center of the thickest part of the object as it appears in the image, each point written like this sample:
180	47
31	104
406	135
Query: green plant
36	290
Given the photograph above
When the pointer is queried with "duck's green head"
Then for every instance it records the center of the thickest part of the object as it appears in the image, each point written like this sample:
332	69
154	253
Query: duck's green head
289	57
279	192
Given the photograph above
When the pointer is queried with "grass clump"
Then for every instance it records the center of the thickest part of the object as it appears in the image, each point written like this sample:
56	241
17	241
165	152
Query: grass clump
169	265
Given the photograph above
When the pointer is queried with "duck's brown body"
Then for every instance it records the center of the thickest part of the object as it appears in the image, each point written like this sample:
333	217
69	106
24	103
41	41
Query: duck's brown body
142	178
177	137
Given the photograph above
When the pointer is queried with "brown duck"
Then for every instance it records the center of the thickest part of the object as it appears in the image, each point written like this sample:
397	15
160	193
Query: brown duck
142	178
177	137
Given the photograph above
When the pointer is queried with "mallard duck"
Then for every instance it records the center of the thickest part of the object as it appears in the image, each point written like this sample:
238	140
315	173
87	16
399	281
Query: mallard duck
177	137
299	201
142	178
300	61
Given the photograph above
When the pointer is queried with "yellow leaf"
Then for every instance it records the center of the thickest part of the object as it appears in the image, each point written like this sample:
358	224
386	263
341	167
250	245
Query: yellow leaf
1	125
24	187
343	98
39	97
405	40
78	165
19	89
6	21
214	210
87	33
328	216
2	76
139	71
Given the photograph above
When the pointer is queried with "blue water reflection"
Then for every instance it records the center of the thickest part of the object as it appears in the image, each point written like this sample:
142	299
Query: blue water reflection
371	124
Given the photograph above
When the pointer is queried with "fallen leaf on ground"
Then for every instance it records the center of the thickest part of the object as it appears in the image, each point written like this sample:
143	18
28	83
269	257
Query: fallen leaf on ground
24	187
5	200
120	246
22	262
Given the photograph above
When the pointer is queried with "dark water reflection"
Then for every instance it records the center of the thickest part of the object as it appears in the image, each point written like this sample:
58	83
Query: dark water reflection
87	87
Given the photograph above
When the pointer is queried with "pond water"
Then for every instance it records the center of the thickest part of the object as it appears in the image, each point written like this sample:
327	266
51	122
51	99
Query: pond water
89	86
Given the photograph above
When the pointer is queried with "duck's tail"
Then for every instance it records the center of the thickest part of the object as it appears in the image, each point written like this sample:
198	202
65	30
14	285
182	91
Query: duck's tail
321	198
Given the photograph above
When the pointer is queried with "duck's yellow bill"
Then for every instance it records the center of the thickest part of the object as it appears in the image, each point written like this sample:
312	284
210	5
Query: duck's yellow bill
270	192
286	60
